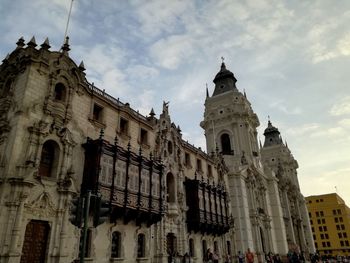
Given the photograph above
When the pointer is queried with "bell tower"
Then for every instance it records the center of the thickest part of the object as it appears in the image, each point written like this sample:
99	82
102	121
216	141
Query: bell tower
230	126
229	122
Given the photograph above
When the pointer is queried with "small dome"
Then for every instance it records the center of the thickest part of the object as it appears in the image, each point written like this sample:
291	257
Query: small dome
224	74
270	129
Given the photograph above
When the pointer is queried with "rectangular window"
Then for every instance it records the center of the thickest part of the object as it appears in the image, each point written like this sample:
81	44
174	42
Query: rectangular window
321	213
347	243
143	137
317	214
326	236
328	244
316	245
339	235
312	229
320	228
336	219
338	212
324	228
322	236
199	165
319	221
341	243
97	113
345	235
123	126
342	227
323	221
187	160
340	219
210	172
334	212
338	227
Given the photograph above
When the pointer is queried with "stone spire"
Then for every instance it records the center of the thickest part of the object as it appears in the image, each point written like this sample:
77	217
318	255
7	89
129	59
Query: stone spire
46	44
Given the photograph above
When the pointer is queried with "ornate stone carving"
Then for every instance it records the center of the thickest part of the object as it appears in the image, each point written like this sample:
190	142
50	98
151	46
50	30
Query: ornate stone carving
42	206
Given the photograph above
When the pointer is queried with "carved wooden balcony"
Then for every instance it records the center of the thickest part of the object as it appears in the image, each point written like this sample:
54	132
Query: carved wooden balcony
207	208
133	184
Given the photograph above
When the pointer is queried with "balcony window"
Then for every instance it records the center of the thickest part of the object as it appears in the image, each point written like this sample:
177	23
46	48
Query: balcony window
60	92
97	113
49	159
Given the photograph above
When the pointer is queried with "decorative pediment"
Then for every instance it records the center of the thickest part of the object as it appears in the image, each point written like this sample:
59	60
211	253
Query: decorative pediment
42	206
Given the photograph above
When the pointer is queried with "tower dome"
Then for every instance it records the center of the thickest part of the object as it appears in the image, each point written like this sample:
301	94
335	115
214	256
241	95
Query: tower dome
272	135
224	81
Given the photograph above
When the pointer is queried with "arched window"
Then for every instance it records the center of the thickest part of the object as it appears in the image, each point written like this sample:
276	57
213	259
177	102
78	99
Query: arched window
116	245
60	92
191	247
141	246
48	160
226	144
170	183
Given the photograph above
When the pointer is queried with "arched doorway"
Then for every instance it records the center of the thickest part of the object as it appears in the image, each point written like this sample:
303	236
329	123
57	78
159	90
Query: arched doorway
171	243
35	242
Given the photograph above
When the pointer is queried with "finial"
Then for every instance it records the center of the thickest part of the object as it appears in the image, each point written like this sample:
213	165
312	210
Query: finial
46	44
32	42
206	85
129	146
286	143
223	59
245	95
82	66
152	114
102	133
260	144
20	43
65	47
140	151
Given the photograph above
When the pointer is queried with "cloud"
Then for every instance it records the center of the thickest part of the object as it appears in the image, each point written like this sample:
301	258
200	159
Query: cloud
142	72
341	108
170	52
159	16
303	129
281	105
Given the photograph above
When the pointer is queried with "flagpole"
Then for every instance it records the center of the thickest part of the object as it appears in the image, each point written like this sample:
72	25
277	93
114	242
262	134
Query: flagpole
66	30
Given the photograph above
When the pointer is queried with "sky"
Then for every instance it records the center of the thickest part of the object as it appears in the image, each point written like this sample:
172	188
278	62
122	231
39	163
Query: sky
292	58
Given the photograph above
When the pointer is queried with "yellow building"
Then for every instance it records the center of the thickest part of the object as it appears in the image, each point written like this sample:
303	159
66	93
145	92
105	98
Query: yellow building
330	223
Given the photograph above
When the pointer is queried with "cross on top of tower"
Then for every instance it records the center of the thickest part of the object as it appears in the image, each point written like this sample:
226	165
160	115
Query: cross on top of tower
223	59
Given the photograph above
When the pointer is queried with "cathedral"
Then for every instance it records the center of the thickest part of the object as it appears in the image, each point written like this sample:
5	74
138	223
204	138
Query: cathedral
67	148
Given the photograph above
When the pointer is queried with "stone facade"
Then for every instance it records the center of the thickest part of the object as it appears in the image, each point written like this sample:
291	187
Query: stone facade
61	137
268	208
